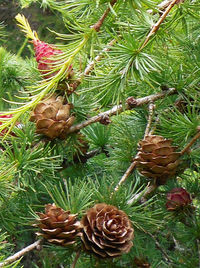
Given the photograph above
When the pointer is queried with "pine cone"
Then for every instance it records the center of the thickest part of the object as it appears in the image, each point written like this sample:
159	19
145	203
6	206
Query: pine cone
107	231
157	158
58	226
178	198
52	117
44	53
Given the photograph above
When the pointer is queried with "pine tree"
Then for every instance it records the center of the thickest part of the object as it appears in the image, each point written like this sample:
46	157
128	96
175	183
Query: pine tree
100	131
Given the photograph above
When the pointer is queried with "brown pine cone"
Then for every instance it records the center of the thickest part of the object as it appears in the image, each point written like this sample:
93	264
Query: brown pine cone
107	231
157	158
58	226
52	117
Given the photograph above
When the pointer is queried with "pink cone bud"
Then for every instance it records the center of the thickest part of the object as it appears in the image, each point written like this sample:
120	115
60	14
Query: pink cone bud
44	53
178	198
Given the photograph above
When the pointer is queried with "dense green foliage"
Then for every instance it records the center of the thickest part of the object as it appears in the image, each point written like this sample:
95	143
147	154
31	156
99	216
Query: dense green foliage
35	171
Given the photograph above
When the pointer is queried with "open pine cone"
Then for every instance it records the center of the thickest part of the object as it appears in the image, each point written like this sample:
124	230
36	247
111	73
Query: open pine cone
52	117
157	158
58	226
107	231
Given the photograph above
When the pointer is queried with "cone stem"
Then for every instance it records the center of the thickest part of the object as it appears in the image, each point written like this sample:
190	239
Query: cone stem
20	253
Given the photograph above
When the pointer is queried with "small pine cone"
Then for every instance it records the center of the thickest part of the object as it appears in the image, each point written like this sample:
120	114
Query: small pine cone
178	198
107	231
44	53
157	158
58	226
52	117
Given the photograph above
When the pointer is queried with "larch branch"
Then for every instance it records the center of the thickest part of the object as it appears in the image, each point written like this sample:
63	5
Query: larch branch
187	147
99	23
117	109
158	23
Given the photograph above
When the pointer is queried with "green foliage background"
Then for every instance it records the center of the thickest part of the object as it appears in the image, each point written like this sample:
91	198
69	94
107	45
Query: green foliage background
35	171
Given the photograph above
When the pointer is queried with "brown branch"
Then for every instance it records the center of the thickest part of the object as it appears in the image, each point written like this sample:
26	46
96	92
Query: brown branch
150	188
90	66
163	5
20	253
151	112
81	158
134	163
158	23
99	23
187	147
166	257
76	258
117	109
126	175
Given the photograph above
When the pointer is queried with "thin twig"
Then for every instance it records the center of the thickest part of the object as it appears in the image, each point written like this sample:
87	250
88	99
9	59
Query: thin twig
151	112
158	23
134	163
187	147
166	257
90	66
81	158
76	258
99	23
150	189
166	3
20	253
126	175
117	109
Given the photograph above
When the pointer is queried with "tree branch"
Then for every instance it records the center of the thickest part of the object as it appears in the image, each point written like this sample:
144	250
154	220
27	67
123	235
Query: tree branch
166	257
99	23
126	175
196	137
117	109
158	23
20	253
90	66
